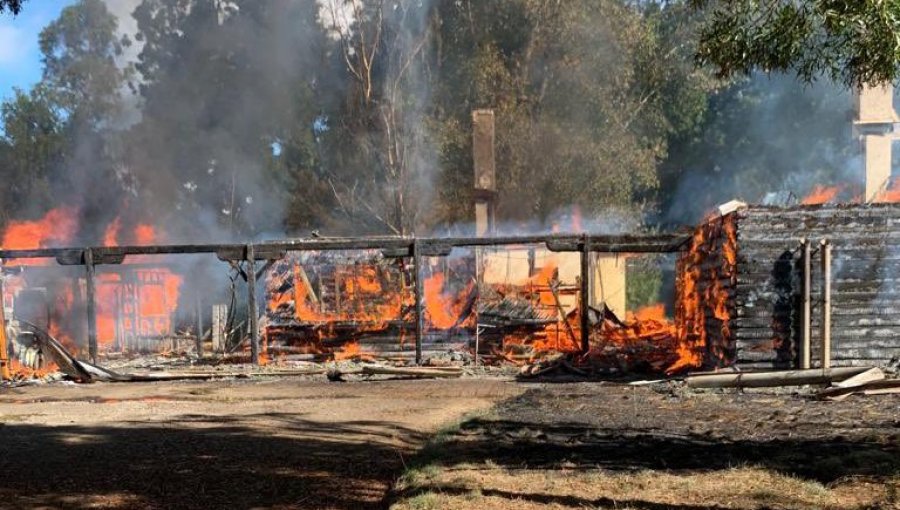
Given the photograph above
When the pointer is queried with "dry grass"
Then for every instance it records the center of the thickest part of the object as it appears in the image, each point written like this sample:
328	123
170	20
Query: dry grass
489	487
582	446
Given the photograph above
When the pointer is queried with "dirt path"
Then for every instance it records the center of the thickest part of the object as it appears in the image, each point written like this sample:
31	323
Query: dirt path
251	444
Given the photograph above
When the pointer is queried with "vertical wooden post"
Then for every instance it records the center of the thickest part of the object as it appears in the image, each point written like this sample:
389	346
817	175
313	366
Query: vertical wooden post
90	290
219	318
807	308
585	292
419	293
826	303
252	309
199	327
477	299
4	352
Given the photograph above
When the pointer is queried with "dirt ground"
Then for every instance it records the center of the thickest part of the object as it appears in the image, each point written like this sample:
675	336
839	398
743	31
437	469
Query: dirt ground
222	444
466	443
590	445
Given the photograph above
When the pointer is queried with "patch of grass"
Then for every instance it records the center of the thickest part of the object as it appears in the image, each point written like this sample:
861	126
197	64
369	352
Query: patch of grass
473	485
424	501
418	475
425	466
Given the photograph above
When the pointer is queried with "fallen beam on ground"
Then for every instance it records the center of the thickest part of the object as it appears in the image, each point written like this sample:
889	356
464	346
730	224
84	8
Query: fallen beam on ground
773	379
442	372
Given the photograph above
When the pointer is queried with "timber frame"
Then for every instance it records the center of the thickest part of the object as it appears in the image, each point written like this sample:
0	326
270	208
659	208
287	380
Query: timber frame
391	247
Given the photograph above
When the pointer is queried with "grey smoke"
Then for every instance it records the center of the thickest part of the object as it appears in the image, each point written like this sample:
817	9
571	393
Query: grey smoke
784	136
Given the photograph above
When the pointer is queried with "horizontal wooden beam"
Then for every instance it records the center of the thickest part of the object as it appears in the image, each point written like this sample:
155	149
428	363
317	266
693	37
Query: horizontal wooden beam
389	246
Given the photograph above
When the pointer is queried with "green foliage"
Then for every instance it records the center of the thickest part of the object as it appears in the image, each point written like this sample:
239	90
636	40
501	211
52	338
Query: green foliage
30	149
58	145
80	72
14	6
598	105
586	95
851	41
643	282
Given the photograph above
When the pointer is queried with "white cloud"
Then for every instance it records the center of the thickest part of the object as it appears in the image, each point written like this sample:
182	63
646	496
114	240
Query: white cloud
13	45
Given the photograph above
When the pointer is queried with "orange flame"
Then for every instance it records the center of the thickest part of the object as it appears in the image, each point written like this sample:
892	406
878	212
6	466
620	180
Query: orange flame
891	194
703	297
111	235
442	308
57	228
155	294
145	234
22	372
154	290
821	195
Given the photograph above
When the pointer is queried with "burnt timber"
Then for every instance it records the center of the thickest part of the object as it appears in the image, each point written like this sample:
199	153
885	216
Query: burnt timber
766	295
390	247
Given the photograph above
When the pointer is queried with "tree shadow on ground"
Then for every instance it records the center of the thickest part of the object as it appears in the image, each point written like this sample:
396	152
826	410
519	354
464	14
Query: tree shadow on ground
514	443
203	462
519	436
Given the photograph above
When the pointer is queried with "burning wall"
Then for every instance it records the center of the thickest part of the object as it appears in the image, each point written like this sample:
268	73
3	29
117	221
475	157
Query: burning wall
706	274
751	307
348	304
135	301
340	302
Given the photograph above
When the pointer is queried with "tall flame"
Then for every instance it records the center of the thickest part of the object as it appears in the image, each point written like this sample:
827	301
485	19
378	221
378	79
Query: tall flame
443	308
703	296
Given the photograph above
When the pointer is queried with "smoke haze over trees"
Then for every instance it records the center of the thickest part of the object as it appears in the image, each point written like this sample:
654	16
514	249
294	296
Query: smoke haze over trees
250	118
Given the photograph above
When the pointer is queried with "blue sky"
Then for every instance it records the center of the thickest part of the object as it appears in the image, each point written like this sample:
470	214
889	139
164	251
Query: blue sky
20	56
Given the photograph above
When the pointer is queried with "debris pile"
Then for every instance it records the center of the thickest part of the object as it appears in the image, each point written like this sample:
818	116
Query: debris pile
645	343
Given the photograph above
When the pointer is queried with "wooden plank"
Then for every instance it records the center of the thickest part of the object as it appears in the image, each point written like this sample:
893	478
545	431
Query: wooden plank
872	374
876	387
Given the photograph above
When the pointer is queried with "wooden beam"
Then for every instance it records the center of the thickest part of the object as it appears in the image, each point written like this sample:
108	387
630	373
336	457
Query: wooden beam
252	308
199	343
806	311
584	295
628	243
90	292
826	303
419	297
4	352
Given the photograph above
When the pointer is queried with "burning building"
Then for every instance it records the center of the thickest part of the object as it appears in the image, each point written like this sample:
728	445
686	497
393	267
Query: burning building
132	305
760	286
497	298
